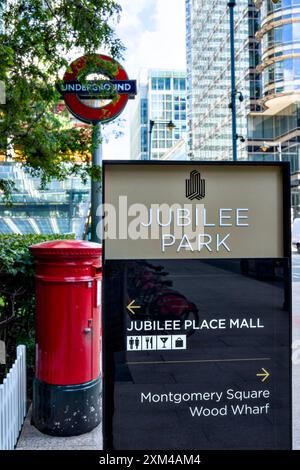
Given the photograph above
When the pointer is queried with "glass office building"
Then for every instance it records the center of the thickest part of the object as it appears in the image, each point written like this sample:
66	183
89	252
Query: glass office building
274	133
208	67
61	208
161	99
267	53
280	37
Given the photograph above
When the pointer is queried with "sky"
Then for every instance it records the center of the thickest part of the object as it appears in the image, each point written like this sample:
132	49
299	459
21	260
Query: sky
153	32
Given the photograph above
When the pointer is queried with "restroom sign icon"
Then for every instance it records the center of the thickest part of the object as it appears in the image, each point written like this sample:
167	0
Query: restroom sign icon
134	343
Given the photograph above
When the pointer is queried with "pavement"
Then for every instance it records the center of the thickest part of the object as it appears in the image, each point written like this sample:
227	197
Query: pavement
32	439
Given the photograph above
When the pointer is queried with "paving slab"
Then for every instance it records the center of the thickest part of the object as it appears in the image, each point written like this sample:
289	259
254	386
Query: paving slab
32	439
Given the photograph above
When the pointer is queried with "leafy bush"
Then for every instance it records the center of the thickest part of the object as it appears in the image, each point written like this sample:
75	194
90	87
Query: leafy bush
17	295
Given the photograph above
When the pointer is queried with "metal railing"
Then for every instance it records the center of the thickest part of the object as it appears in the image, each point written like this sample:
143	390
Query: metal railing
13	401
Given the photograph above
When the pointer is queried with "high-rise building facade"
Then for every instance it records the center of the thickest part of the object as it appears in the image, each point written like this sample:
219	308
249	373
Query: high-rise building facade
274	133
161	99
208	68
62	207
267	57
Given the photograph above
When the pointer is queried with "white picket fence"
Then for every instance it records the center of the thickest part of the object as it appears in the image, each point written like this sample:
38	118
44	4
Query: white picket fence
13	401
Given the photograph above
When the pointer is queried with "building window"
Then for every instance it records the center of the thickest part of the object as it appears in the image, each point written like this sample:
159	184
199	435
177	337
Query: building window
287	70
144	111
269	6
144	140
160	83
179	84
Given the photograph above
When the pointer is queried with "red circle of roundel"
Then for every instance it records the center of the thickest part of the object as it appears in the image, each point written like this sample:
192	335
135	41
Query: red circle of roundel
86	113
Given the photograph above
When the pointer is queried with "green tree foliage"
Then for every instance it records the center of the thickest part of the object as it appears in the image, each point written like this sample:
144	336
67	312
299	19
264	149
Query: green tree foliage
36	39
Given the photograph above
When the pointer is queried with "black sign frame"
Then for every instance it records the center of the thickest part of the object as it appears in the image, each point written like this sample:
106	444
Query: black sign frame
286	199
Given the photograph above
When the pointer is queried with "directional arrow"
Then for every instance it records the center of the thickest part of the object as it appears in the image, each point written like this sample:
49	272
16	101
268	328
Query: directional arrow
131	307
264	374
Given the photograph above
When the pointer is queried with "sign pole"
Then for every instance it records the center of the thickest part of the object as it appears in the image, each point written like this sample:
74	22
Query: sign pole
96	186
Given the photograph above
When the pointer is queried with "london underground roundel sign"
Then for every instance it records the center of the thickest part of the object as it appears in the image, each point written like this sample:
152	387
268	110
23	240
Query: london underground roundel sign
74	93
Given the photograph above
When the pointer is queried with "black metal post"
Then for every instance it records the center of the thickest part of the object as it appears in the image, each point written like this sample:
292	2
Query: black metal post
231	5
151	125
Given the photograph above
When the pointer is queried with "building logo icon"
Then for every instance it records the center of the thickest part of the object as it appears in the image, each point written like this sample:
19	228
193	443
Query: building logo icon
195	186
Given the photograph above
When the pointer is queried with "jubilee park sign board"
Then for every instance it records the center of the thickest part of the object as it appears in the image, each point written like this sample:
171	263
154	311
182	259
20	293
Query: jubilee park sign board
197	306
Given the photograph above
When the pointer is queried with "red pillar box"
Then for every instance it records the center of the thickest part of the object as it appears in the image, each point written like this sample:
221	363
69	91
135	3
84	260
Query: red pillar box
67	388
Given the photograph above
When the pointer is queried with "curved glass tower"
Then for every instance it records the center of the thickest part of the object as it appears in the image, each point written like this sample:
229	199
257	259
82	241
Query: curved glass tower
280	51
274	131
